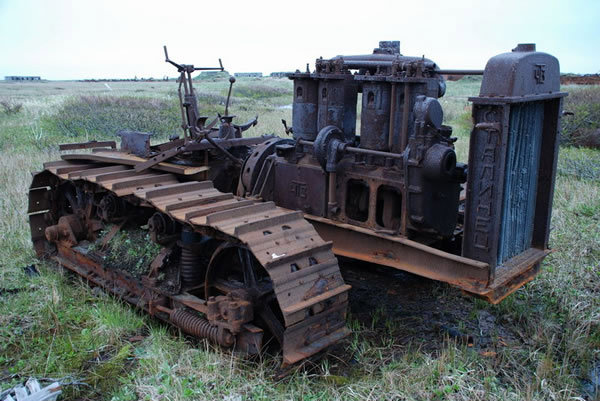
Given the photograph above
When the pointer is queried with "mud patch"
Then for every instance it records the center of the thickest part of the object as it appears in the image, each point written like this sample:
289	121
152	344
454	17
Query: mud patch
419	312
591	385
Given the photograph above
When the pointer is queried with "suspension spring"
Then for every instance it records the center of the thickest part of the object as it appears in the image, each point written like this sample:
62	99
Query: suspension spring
192	264
189	264
199	327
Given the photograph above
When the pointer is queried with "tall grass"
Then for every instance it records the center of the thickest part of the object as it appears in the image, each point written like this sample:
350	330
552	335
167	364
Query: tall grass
261	91
104	116
581	126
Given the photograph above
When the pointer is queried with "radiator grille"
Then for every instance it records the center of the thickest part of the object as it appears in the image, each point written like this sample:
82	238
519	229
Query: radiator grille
521	174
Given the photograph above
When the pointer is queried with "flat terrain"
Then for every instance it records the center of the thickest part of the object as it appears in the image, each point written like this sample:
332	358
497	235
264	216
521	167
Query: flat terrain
412	338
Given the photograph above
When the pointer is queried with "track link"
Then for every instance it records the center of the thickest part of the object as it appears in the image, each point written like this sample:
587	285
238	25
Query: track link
307	283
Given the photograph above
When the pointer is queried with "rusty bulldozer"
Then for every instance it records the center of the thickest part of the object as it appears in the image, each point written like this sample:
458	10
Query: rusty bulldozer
245	230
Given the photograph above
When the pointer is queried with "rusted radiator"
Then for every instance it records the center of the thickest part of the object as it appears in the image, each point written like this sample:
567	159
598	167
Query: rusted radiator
512	158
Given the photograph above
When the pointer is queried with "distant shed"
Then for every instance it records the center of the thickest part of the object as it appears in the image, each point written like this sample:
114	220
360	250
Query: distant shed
21	78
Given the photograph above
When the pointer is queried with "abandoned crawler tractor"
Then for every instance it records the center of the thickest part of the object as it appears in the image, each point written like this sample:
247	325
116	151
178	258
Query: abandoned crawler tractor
235	239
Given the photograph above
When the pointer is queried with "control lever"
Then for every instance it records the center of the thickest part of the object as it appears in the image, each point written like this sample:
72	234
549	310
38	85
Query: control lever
289	130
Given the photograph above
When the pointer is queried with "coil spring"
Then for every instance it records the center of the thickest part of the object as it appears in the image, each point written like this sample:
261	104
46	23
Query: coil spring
196	326
189	263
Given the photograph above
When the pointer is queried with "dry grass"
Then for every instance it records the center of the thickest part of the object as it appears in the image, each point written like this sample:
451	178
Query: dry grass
581	127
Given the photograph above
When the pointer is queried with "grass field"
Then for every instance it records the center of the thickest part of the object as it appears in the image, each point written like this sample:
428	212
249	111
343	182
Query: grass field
541	343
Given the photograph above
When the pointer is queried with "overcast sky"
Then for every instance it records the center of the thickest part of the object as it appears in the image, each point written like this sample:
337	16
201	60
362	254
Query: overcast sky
61	39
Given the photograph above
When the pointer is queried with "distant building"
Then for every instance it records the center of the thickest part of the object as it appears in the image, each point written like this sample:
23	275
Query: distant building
280	74
248	74
21	78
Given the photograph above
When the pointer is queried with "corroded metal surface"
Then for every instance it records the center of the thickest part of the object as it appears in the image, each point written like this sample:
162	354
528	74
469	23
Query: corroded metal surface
392	195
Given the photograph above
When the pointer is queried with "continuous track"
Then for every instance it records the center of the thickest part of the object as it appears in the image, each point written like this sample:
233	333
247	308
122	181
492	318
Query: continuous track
306	280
